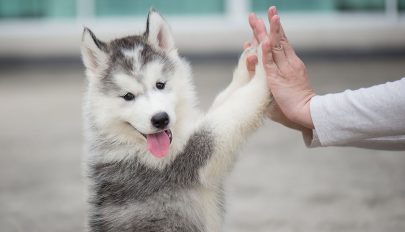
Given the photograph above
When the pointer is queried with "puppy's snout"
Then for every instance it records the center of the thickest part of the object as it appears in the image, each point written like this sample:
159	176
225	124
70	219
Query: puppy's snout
160	120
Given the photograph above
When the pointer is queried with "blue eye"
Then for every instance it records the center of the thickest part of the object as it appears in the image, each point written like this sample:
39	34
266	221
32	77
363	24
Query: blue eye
160	85
128	97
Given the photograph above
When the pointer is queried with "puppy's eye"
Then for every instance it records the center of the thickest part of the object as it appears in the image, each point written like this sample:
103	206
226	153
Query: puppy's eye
128	97
160	85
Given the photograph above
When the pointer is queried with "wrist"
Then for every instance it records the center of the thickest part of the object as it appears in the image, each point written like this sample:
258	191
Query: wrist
303	116
307	119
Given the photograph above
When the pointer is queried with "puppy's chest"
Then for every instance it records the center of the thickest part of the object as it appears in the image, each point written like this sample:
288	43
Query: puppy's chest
138	192
120	183
130	179
172	194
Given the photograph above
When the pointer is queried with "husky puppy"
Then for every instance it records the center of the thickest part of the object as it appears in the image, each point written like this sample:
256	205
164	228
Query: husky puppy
154	162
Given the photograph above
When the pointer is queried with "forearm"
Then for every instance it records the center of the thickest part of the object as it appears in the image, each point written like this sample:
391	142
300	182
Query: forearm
361	115
393	143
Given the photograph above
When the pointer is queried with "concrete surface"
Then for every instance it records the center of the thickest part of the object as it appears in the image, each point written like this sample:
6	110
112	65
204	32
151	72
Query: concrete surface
277	185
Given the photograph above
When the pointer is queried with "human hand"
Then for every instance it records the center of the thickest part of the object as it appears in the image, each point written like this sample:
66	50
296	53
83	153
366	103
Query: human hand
286	74
273	111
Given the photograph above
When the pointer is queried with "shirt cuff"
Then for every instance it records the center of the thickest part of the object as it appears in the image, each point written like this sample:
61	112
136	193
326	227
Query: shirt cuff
311	138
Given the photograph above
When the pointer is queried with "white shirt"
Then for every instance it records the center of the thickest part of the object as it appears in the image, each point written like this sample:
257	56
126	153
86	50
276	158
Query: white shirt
369	117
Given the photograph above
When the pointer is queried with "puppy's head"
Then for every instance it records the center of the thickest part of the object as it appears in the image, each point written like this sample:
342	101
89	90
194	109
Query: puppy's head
135	85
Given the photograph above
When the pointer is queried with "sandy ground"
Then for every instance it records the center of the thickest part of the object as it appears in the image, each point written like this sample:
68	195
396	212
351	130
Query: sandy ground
277	185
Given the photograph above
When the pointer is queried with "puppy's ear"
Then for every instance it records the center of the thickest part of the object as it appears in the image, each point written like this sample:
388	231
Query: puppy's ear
158	32
94	52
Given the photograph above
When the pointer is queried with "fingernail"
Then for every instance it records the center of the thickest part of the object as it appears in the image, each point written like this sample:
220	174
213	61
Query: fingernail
250	17
277	18
271	9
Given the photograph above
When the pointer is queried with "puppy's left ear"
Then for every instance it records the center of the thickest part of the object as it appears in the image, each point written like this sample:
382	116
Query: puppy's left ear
158	32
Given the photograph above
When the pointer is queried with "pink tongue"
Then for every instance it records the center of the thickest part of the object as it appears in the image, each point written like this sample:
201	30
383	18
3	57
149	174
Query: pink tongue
158	144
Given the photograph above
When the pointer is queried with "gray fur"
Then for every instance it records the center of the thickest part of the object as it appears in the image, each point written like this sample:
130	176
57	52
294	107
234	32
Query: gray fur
118	62
158	197
125	193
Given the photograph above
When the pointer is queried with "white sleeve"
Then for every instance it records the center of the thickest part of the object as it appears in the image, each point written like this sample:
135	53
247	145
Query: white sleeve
369	117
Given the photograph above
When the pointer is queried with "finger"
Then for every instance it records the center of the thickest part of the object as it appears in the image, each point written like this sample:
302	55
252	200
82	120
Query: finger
275	42
271	12
252	21
258	27
260	30
288	49
251	62
275	34
254	42
267	58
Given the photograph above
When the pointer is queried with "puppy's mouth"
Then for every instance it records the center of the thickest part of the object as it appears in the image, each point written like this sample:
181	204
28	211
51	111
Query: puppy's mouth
158	143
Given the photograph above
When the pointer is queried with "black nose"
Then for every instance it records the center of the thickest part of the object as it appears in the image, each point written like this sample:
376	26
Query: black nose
160	120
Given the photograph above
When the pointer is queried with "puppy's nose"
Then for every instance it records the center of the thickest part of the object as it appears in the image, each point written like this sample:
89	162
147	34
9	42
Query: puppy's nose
160	120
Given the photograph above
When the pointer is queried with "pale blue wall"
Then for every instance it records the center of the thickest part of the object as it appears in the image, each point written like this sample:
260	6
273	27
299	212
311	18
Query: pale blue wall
68	9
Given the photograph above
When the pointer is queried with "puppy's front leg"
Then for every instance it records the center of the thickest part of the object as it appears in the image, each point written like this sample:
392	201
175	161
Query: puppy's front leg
240	78
234	120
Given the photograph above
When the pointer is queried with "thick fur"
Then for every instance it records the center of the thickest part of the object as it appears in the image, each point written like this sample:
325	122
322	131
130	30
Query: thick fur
131	190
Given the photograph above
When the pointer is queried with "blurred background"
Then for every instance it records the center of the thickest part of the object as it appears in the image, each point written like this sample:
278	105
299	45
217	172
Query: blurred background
277	185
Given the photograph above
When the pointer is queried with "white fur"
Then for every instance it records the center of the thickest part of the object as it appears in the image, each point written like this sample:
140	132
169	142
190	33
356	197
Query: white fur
235	114
159	34
93	57
134	54
129	84
235	117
